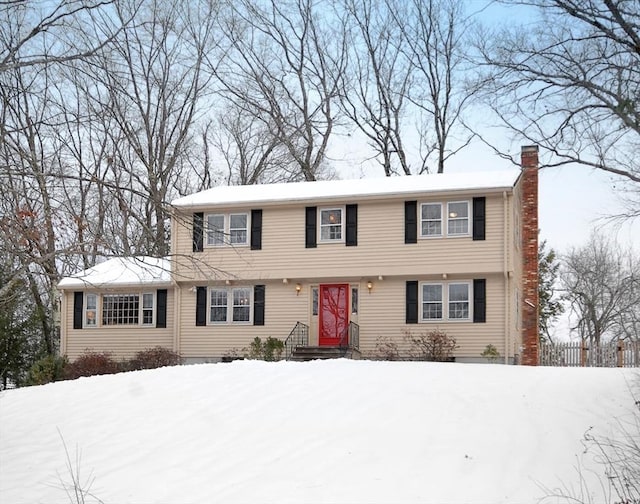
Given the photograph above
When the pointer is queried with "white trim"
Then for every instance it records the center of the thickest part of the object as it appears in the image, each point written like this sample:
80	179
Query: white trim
445	301
226	230
86	309
100	306
230	306
341	209
456	219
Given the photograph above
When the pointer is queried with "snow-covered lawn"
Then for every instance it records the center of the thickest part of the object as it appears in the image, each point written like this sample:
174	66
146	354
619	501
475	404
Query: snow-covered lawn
317	432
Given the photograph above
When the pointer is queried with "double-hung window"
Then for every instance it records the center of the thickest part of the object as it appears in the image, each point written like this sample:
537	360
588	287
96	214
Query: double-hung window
215	230
91	310
431	219
458	218
458	301
230	305
227	229
331	224
446	301
434	223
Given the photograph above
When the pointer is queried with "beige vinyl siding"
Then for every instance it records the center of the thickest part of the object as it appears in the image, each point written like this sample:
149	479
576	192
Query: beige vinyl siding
121	341
283	308
382	314
380	235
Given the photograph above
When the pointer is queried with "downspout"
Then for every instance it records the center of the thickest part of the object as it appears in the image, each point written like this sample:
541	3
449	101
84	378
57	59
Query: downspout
505	272
63	323
177	292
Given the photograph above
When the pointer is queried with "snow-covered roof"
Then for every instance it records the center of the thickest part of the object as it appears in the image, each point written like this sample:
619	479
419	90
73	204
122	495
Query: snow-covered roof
122	271
333	189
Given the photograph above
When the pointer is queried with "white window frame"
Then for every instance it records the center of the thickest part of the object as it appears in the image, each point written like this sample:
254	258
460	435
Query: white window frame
446	301
226	231
95	309
213	234
440	220
443	302
455	218
141	309
230	300
322	226
450	302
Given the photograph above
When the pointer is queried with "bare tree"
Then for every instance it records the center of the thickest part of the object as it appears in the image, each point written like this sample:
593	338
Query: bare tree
435	32
378	80
602	281
284	68
36	33
571	83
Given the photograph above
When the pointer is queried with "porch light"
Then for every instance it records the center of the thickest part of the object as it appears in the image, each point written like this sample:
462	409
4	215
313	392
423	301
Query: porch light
369	286
298	289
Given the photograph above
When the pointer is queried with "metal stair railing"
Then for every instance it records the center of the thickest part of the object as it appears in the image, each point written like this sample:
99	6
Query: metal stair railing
299	336
351	337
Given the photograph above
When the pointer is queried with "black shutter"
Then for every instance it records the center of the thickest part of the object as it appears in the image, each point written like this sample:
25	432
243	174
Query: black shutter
310	227
411	222
478	218
256	229
198	228
201	306
258	305
161	303
352	226
412	302
78	299
479	300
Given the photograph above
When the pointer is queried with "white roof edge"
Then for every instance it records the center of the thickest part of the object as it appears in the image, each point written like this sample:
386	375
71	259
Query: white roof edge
136	271
383	187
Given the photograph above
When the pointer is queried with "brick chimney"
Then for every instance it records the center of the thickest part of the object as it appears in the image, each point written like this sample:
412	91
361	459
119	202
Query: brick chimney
529	213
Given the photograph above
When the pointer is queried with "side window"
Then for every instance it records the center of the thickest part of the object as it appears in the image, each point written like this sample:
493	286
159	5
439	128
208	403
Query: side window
91	310
431	219
331	224
458	218
147	308
314	300
354	300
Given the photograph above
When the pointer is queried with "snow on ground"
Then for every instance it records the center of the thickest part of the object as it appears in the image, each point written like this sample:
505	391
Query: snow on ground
317	432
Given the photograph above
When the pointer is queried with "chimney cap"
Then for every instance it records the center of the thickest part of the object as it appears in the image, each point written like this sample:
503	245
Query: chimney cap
529	148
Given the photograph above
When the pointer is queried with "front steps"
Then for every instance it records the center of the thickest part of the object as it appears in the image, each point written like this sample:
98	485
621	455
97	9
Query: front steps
307	353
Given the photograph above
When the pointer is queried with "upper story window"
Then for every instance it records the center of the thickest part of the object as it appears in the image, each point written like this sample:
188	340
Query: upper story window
435	224
230	305
445	301
331	224
126	309
227	229
458	218
431	219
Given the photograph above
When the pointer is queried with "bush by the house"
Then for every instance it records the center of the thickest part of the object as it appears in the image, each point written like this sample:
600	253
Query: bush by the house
490	353
269	350
386	349
91	363
46	370
435	345
152	358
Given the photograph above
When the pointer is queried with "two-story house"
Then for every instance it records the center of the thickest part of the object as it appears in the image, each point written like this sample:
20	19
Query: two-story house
336	264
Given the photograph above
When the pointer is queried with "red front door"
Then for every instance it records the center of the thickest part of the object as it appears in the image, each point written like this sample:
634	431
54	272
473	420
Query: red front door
334	314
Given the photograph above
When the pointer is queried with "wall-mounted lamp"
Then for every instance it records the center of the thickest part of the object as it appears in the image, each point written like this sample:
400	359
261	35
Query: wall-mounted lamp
285	281
369	286
193	289
380	277
298	289
227	282
444	276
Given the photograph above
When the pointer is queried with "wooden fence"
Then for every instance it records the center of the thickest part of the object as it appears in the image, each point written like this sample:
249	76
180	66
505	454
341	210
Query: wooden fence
581	354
